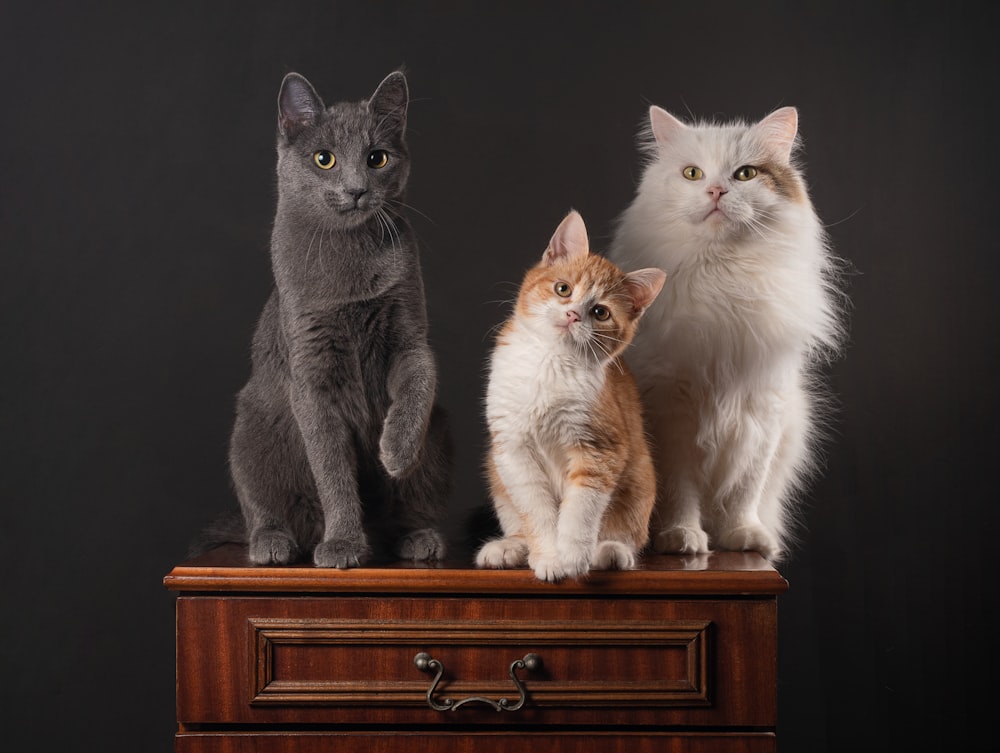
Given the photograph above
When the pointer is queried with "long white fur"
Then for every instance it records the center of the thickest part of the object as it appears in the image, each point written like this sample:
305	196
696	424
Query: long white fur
725	358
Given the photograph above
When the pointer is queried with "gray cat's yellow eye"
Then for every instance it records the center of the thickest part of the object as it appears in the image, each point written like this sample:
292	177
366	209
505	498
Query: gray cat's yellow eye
747	172
693	173
378	158
324	159
563	289
600	313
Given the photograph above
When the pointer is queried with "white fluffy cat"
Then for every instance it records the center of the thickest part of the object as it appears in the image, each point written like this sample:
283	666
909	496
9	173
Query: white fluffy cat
725	357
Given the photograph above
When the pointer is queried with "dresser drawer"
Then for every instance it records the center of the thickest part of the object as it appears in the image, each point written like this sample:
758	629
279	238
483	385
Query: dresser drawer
461	660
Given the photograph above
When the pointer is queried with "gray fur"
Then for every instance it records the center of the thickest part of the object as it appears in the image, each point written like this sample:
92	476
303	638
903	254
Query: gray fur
338	448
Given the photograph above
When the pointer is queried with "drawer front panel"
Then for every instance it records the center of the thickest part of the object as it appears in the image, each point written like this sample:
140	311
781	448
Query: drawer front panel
351	660
336	662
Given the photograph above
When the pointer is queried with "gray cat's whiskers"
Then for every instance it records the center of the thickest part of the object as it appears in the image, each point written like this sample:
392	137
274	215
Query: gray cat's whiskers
396	203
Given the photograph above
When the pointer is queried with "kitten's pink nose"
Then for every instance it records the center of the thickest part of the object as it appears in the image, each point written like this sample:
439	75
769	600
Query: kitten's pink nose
716	192
572	316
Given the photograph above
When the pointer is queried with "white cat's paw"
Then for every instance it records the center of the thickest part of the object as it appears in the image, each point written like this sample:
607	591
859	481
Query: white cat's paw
750	538
502	553
614	555
547	567
681	540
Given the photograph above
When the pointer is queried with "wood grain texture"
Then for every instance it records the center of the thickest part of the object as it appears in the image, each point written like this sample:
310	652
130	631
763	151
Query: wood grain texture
730	573
680	655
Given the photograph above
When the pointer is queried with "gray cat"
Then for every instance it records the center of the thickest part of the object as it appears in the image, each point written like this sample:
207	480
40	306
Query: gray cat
338	448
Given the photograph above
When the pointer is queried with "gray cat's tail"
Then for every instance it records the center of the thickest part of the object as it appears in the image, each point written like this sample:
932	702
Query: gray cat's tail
229	528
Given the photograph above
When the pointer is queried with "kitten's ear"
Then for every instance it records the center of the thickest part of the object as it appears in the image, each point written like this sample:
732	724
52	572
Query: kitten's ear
390	100
644	285
778	131
299	106
665	126
569	241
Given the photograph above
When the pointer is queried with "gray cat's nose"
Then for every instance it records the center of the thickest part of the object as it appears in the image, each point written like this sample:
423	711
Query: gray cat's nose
358	194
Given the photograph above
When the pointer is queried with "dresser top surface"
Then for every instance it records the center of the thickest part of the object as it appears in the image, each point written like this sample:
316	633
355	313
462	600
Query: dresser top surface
227	569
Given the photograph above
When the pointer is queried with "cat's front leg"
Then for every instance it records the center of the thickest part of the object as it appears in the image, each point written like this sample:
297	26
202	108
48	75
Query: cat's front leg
579	525
525	504
333	461
412	382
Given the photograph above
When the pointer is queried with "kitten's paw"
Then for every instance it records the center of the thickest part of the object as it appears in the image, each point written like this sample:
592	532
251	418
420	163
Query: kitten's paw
424	544
547	567
575	560
681	540
750	538
614	555
341	553
271	547
502	553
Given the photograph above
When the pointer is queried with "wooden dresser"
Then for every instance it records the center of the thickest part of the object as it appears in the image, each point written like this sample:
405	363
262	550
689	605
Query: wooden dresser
679	655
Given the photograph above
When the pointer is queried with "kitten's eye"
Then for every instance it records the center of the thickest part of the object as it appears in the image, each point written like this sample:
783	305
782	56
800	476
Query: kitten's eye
693	173
324	159
747	172
600	313
378	159
563	289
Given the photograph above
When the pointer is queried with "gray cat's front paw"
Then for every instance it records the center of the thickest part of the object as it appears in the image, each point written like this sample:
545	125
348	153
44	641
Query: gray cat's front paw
341	553
425	544
272	547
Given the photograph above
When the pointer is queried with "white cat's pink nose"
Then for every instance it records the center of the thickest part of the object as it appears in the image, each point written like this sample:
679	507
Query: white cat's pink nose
572	316
716	192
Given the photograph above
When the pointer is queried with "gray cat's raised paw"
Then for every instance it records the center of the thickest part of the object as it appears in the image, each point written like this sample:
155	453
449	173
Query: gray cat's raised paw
425	544
398	455
273	548
341	553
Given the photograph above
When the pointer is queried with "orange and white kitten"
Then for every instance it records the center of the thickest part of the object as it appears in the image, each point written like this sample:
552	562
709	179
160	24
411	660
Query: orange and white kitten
569	468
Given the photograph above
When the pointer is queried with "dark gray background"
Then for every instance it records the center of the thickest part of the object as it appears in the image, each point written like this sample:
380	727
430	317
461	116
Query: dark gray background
136	196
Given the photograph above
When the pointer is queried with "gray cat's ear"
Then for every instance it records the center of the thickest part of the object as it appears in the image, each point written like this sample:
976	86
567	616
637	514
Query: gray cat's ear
643	286
778	131
664	125
390	100
299	106
569	241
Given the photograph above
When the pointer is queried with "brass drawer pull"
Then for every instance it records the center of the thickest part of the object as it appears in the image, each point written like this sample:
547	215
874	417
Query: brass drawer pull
425	663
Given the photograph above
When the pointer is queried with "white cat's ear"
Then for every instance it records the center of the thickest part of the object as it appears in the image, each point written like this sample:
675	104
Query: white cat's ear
665	126
778	131
569	241
644	285
299	106
390	100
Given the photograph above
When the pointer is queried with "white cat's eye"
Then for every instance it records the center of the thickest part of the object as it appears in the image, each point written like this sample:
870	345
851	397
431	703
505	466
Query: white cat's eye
563	289
693	173
324	159
600	313
747	172
378	159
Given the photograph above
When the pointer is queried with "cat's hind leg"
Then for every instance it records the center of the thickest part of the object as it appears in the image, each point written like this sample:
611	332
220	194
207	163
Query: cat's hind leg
421	498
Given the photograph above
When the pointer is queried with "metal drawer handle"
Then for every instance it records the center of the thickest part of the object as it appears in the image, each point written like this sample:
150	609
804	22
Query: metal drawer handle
425	663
